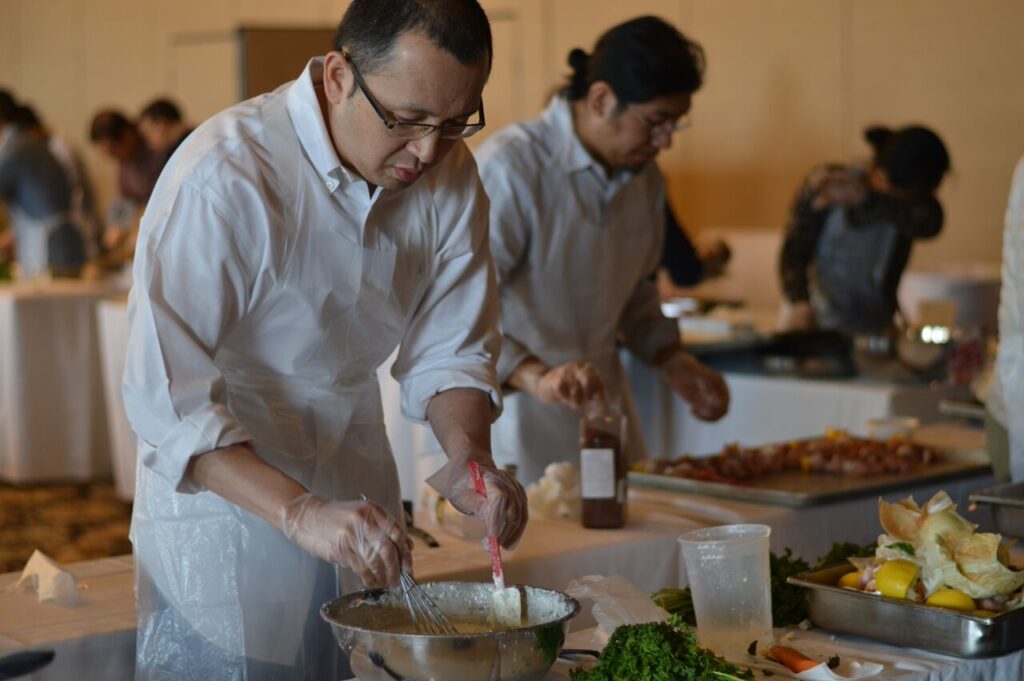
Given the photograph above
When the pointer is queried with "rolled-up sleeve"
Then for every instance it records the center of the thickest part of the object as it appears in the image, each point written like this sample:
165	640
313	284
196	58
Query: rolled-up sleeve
192	285
452	340
645	330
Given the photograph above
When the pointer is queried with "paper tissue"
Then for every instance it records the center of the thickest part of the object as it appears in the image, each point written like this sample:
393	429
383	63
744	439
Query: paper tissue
44	576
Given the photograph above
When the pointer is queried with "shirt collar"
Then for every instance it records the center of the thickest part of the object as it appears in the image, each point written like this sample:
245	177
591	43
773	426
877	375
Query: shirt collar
308	121
573	154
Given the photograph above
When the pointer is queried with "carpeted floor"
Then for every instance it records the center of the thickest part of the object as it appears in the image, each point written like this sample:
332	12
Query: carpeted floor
67	522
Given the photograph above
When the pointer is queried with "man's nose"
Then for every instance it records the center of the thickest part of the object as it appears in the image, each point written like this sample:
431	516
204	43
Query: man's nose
425	148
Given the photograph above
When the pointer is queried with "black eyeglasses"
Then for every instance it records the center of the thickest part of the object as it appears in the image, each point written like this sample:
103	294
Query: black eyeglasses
415	131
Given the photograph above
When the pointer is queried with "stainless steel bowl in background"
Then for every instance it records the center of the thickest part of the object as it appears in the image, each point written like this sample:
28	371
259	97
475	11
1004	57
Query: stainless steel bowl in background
368	626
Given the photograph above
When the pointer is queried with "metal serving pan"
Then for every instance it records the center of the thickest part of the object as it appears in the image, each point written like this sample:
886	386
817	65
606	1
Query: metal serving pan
906	624
1006	501
795	489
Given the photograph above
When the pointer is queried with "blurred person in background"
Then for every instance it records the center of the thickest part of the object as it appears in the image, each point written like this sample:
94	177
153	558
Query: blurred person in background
685	263
83	199
851	229
296	240
138	168
162	127
577	225
8	110
38	195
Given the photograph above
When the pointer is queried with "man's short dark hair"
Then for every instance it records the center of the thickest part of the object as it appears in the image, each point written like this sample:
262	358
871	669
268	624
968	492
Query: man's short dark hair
369	29
163	110
109	126
8	106
26	118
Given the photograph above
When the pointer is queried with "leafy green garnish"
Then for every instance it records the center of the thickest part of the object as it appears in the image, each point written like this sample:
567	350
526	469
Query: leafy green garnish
840	552
658	651
902	546
789	602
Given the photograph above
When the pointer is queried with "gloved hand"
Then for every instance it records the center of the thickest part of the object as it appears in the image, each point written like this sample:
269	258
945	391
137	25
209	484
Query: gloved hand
571	384
504	512
356	534
703	388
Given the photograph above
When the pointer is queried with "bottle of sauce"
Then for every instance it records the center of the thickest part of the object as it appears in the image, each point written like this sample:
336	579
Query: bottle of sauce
602	467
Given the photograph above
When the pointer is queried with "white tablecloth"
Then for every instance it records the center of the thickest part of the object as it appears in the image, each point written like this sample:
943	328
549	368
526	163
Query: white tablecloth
97	638
771	409
52	406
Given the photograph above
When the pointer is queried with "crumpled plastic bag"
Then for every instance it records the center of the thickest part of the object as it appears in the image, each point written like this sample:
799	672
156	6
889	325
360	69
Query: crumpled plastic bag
44	576
617	601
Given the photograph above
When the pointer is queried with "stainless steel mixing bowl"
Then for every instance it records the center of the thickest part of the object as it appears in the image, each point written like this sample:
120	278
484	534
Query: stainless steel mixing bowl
370	626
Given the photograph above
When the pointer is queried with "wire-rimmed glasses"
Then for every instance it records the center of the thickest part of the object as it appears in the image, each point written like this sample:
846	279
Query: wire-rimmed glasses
415	131
667	127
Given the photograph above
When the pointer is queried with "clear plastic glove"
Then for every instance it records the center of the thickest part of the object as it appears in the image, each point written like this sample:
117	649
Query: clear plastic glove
505	510
703	388
572	384
359	535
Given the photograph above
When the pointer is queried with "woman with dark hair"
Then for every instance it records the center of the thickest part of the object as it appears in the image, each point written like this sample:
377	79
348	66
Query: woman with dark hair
577	224
851	229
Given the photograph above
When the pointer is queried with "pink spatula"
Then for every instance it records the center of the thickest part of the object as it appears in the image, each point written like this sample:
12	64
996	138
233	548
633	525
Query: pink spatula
507	607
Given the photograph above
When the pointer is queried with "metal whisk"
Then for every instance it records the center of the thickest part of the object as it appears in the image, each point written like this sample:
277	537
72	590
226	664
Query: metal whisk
427	617
425	614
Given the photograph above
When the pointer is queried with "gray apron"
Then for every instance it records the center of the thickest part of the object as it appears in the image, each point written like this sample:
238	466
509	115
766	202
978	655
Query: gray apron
856	269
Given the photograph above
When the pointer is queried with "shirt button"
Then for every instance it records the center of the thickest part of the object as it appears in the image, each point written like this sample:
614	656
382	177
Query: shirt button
330	184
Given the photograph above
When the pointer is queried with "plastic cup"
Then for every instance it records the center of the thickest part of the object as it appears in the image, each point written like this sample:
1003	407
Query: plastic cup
727	569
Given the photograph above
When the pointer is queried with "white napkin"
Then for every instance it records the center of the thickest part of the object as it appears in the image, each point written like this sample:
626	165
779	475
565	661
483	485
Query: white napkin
44	576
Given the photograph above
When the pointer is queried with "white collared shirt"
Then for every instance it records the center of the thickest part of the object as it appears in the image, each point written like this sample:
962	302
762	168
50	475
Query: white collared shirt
574	250
237	275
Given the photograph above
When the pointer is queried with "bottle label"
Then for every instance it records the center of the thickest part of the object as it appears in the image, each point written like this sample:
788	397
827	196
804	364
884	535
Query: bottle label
597	473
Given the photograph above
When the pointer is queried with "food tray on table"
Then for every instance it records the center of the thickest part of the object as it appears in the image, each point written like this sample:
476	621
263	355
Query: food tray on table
798	489
906	624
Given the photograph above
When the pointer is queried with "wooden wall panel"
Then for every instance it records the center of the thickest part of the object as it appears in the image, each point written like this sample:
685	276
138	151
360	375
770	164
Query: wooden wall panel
790	83
957	67
769	110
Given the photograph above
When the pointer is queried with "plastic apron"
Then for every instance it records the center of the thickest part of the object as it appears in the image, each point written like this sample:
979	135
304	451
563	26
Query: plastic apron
532	434
245	604
856	270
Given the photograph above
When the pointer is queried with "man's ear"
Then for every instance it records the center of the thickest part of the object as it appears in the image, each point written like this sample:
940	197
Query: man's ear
601	99
338	80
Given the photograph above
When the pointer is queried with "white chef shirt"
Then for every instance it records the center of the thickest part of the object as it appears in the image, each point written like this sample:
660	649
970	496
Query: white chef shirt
574	249
575	253
222	251
1010	360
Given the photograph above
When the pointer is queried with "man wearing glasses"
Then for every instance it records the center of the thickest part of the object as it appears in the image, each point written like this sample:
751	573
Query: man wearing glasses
292	243
577	222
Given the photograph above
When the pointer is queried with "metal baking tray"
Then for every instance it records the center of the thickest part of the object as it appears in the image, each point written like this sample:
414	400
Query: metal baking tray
1006	502
905	624
796	489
